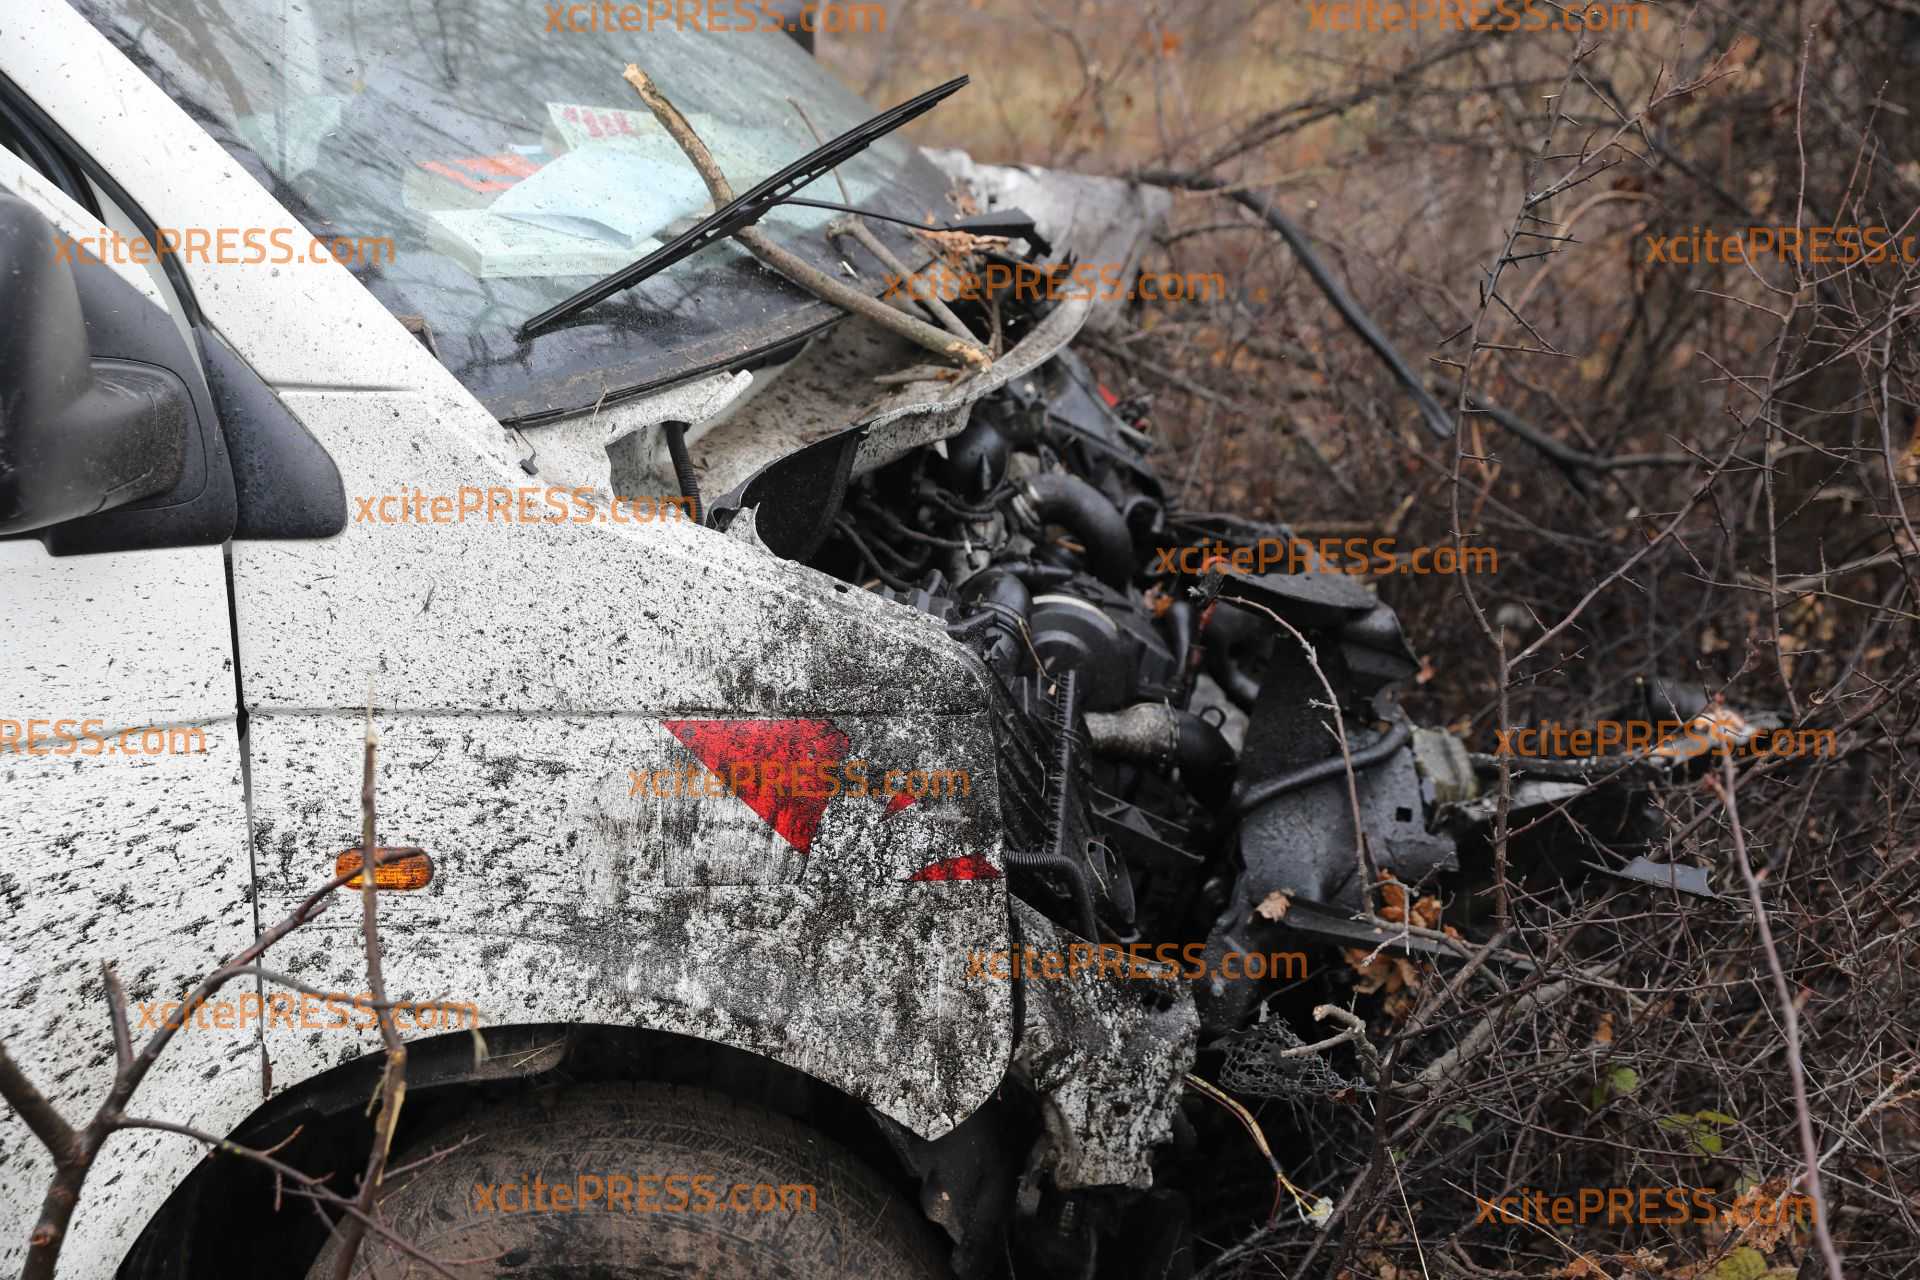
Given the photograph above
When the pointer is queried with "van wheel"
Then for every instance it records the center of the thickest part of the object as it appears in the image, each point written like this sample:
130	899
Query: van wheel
708	1144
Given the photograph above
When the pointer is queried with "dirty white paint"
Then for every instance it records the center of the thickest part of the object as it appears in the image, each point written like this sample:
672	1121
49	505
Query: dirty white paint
580	449
106	856
558	896
513	714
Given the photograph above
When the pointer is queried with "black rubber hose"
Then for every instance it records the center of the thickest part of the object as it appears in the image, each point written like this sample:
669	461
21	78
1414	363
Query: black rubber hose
1071	502
1207	759
976	460
844	527
1035	574
1158	735
997	586
1180	620
683	464
1228	629
1319	770
1005	598
1241	689
1069	870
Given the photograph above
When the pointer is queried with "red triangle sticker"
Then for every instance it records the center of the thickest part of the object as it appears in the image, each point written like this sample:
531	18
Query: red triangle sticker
742	750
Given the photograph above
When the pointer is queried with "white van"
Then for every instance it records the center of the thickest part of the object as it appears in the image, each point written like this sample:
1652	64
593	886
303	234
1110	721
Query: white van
273	452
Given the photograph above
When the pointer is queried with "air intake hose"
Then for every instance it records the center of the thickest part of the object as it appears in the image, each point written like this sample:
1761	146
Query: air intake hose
1158	735
1072	503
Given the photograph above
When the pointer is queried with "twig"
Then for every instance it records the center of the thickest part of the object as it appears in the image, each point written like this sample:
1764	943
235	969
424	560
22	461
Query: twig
309	1184
393	1078
1355	1033
1430	411
74	1152
818	283
850	225
1723	787
1362	858
1436	1073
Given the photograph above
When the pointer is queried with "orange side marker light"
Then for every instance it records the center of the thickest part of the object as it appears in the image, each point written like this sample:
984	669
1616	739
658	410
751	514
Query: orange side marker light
412	871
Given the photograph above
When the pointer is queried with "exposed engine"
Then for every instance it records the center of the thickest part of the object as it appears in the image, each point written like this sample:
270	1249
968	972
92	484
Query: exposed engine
1162	768
1186	746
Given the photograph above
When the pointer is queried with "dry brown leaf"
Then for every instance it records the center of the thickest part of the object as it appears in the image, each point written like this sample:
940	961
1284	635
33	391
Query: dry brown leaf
1375	974
1426	913
1766	1218
1391	974
1274	906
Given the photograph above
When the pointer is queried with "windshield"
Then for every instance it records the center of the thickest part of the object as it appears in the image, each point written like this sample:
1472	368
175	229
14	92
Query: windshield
509	165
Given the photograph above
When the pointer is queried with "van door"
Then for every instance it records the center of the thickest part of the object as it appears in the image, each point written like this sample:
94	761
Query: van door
123	836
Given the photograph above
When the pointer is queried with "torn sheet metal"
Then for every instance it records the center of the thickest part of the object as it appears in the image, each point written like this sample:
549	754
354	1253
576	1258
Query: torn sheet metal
587	450
833	384
1108	1064
1681	877
1095	219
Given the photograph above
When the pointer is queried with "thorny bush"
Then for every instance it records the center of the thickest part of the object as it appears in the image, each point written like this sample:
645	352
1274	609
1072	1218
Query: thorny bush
1696	473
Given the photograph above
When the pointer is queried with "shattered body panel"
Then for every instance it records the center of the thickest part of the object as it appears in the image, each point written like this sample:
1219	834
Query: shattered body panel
831	386
1109	1065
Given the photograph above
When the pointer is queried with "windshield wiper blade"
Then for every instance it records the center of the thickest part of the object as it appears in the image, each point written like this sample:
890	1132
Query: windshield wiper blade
746	209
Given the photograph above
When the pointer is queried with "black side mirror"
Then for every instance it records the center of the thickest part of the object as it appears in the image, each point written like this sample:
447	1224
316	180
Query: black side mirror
78	435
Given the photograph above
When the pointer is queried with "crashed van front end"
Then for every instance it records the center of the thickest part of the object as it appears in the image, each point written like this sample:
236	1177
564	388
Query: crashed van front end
551	698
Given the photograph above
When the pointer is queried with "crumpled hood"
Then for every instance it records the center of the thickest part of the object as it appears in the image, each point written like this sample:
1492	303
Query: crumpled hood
743	423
